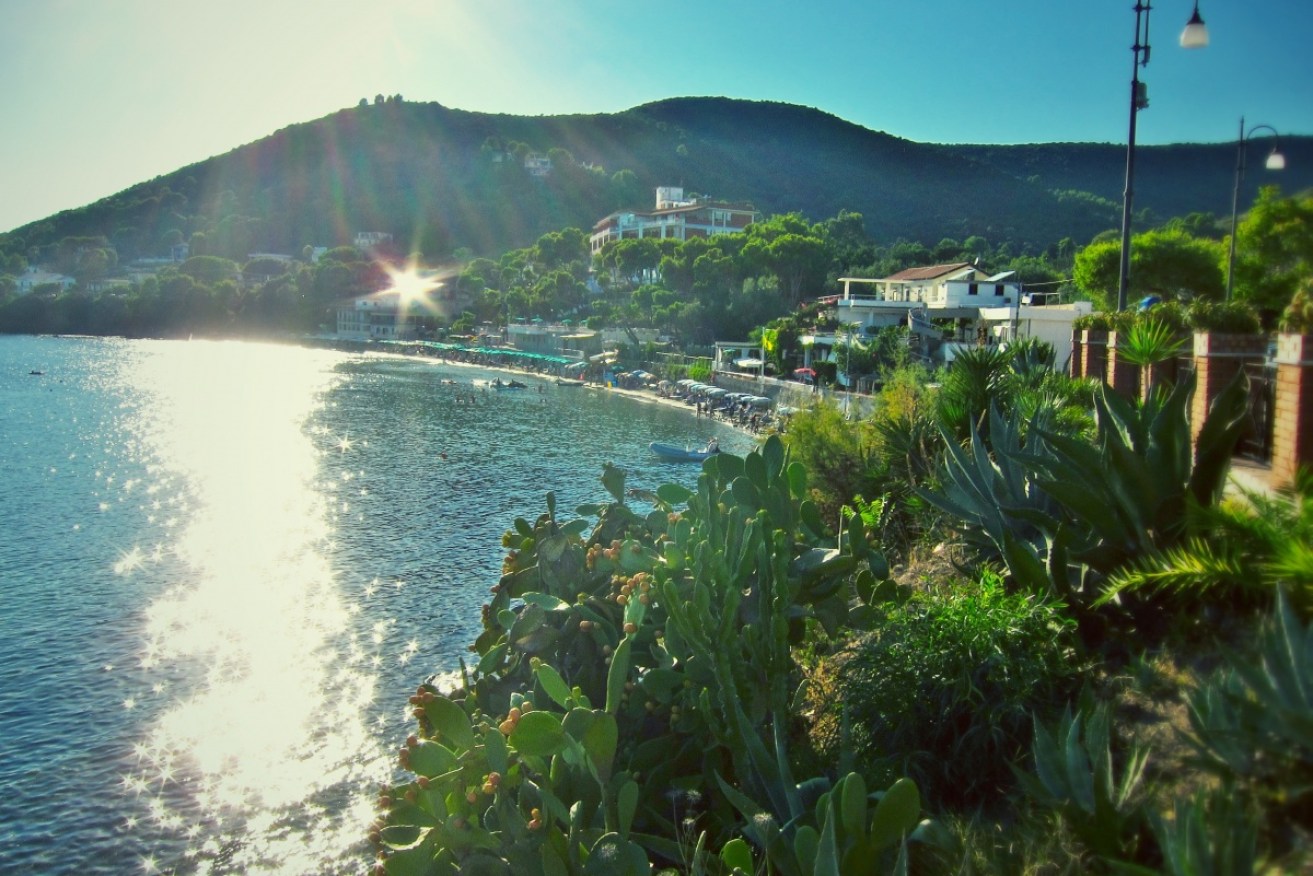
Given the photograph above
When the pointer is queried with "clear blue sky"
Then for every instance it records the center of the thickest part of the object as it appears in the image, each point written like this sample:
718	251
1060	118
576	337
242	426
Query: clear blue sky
101	94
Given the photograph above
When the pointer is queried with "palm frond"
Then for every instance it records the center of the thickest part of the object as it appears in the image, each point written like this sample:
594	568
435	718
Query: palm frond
1196	567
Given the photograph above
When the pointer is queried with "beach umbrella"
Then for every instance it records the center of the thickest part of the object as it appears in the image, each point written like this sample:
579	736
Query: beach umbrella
760	401
805	372
717	392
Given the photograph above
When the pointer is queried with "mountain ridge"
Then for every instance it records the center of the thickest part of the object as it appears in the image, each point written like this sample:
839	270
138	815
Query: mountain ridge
431	176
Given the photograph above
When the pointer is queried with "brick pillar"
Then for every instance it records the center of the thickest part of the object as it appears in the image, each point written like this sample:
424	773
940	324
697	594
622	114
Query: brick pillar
1218	357
1122	377
1094	353
1292	440
1077	351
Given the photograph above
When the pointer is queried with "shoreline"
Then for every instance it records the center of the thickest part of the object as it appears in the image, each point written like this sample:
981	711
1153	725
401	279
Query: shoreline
645	396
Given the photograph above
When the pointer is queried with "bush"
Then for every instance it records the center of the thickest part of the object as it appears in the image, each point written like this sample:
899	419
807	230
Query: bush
1298	316
943	690
1231	317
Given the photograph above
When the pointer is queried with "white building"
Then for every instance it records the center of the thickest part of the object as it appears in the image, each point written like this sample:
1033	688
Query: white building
950	307
381	316
34	277
537	164
367	240
674	217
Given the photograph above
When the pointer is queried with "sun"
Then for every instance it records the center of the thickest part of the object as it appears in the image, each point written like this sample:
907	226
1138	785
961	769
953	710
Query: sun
410	285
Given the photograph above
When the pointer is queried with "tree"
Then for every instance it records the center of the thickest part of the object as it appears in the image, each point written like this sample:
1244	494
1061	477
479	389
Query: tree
209	270
798	261
1166	262
626	190
1274	250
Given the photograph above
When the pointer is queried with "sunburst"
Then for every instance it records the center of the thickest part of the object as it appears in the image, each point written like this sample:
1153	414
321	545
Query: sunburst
411	286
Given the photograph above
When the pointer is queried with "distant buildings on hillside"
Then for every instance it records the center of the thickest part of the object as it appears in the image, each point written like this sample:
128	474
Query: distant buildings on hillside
674	217
35	277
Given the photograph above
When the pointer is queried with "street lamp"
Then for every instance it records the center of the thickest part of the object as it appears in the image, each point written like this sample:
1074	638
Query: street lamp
1194	36
1275	161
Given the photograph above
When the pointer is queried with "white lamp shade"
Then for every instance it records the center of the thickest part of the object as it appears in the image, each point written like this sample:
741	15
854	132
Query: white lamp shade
1195	35
1276	161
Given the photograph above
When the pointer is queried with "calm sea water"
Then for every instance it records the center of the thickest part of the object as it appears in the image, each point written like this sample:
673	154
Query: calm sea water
224	567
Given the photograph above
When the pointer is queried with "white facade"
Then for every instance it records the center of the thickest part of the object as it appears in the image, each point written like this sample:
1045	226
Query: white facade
1050	323
366	240
376	317
537	164
34	277
941	303
674	218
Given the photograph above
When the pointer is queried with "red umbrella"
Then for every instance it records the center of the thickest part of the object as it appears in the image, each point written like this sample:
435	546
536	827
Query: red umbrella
805	372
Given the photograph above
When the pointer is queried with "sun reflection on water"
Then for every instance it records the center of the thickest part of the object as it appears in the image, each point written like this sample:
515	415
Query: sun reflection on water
275	685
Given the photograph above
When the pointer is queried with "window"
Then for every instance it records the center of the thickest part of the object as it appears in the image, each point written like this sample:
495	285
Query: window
999	290
973	288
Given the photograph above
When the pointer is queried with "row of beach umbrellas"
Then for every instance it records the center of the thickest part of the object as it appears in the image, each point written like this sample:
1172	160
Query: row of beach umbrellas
692	387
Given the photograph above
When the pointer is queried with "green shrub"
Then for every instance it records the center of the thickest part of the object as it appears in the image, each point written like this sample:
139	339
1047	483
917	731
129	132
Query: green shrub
943	689
1099	321
1171	313
1230	317
1298	316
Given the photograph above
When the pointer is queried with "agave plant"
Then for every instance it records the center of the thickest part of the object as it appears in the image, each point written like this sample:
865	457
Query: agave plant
1149	342
1075	773
1053	506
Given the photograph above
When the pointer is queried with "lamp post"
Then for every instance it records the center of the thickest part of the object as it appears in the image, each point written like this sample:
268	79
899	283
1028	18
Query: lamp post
1275	161
1194	36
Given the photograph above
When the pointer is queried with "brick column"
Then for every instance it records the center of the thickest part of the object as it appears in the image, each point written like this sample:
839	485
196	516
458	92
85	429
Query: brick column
1292	440
1077	353
1122	377
1094	353
1218	358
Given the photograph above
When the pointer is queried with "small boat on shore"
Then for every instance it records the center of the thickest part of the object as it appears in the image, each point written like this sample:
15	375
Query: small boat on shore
568	381
509	384
675	453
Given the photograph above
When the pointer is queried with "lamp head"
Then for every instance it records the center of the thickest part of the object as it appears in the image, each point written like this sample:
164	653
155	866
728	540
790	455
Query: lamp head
1195	35
1275	161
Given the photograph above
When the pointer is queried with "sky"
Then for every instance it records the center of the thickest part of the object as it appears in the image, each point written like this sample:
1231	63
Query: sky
99	95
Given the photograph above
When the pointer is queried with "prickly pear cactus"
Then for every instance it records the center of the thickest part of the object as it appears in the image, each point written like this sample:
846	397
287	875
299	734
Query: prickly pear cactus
631	663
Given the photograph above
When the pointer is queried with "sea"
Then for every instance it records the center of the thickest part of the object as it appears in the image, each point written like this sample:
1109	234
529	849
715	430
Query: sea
224	566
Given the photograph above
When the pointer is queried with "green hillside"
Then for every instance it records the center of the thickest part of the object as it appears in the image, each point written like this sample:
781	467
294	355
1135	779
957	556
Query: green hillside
442	180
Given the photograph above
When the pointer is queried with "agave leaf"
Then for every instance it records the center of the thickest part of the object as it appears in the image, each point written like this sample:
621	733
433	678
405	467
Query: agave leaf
826	862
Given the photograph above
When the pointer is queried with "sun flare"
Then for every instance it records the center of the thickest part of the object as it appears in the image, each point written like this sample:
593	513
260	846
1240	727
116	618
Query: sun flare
412	285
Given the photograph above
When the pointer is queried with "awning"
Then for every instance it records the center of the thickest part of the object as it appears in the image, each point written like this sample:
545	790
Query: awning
748	363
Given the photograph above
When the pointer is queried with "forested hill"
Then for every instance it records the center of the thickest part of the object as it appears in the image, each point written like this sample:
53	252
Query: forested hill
440	180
